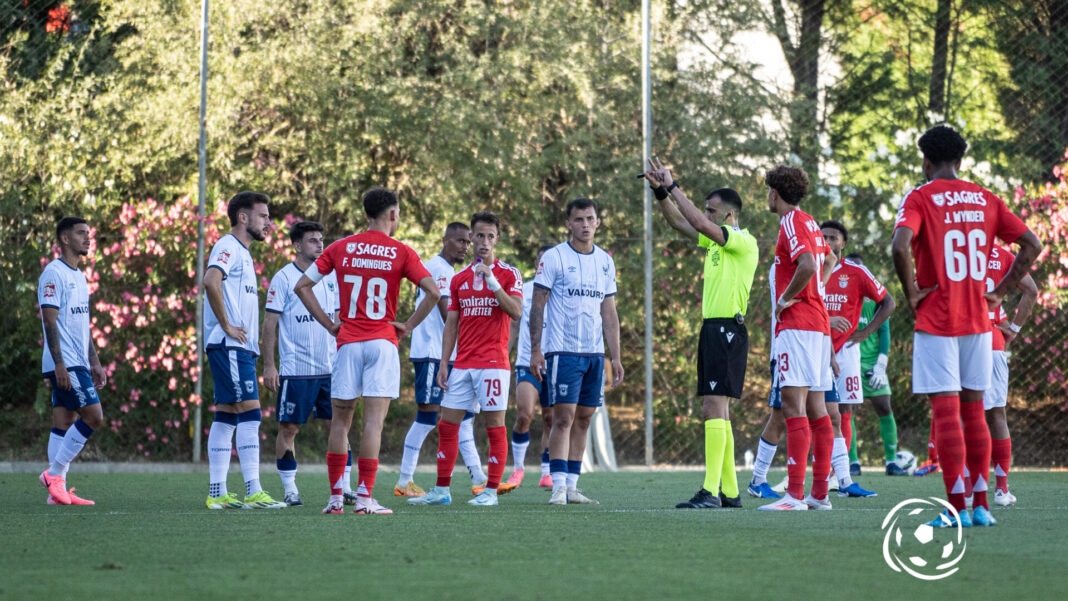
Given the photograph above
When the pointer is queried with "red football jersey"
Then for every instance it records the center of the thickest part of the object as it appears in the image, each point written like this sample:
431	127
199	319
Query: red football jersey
799	233
996	267
482	342
954	224
850	284
370	266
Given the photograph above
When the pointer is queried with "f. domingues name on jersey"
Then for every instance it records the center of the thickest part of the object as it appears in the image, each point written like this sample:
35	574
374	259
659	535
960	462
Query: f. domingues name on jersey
577	284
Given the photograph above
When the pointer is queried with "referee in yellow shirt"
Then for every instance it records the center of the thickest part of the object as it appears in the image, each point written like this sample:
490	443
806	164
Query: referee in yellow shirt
730	262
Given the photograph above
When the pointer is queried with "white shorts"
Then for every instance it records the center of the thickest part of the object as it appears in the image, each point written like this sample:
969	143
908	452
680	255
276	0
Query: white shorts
950	363
804	359
848	382
998	393
475	389
369	368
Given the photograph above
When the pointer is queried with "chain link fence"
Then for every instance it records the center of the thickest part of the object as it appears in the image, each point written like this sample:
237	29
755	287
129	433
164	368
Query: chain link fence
99	115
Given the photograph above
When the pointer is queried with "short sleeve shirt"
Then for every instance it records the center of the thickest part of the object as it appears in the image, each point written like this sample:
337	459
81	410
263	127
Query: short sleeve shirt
997	266
729	271
844	296
522	353
240	297
799	233
370	267
305	347
954	223
482	341
577	283
65	289
426	337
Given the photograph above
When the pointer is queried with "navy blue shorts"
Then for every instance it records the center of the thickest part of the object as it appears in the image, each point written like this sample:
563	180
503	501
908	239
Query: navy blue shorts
427	391
831	396
575	379
82	393
234	373
523	374
300	398
775	397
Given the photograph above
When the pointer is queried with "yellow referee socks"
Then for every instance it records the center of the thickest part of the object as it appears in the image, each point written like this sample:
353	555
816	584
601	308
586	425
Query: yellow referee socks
729	476
715	444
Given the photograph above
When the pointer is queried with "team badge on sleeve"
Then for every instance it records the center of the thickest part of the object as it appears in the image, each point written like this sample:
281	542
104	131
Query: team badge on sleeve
50	289
224	257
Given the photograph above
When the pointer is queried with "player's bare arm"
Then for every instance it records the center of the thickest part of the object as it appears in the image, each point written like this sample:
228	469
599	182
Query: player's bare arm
513	336
213	286
610	326
1029	297
901	248
537	319
1030	248
267	342
830	260
432	298
693	220
883	309
448	342
443	307
51	327
304	292
100	377
839	323
806	270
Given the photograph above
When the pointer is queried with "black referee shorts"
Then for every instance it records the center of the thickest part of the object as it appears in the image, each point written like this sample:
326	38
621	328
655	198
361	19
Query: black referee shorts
722	352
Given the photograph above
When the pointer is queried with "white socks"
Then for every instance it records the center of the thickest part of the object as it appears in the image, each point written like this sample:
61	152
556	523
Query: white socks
73	442
248	450
413	443
470	452
220	443
765	455
840	463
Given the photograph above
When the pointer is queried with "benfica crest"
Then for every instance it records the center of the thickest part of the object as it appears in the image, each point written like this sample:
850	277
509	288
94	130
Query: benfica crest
843	281
350	247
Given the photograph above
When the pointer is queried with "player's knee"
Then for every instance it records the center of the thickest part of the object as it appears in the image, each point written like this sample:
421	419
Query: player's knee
94	420
287	430
882	406
522	422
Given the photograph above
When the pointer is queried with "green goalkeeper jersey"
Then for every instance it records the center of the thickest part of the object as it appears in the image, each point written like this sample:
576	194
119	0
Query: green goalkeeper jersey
874	345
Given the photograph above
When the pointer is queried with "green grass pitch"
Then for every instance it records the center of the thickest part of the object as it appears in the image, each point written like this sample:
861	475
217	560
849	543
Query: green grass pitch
149	537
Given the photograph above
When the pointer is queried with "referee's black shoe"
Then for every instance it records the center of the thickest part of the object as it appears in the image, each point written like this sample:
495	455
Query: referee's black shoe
726	501
702	500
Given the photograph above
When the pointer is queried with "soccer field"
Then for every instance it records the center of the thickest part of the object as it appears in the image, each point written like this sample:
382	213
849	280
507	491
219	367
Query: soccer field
149	537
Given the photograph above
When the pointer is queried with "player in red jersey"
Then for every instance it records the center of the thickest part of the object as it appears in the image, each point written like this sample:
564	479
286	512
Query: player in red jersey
850	283
947	226
370	267
802	340
994	401
483	300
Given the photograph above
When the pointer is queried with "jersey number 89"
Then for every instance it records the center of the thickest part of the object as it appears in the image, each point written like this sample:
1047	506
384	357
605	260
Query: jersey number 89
960	265
376	296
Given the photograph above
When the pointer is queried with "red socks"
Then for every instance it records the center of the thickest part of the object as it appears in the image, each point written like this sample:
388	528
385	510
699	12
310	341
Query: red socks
798	439
448	447
335	468
977	445
1001	456
498	455
847	428
949	441
932	449
822	445
368	470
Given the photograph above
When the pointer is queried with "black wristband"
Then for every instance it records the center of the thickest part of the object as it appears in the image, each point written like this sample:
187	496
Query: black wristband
671	187
660	193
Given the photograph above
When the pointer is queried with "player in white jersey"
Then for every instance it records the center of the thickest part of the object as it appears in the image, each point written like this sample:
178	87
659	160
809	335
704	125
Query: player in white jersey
528	390
69	363
574	297
425	355
231	339
306	350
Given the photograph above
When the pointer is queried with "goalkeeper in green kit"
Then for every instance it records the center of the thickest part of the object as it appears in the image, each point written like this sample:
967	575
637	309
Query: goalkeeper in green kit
873	359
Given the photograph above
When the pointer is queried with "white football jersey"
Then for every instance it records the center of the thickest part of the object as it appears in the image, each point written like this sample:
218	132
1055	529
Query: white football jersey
426	337
304	346
240	296
64	288
774	302
578	284
522	356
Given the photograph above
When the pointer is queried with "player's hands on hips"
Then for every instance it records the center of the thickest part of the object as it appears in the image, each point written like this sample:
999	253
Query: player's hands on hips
334	329
402	328
443	375
878	377
994	298
659	176
100	377
918	295
617	373
537	364
839	323
270	378
782	305
237	333
857	336
62	377
1008	333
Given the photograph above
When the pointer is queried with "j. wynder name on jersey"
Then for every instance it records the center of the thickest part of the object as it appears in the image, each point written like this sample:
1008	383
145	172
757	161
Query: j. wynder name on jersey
478	306
966	217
